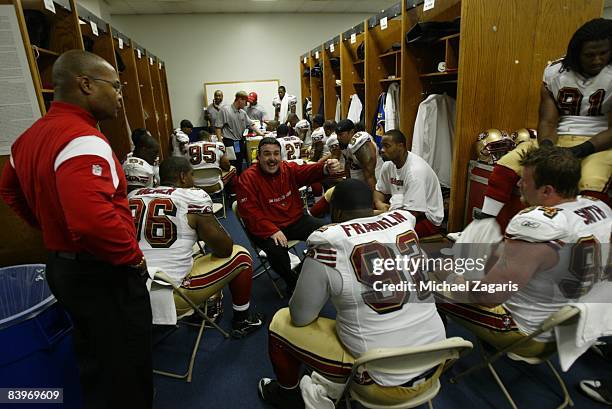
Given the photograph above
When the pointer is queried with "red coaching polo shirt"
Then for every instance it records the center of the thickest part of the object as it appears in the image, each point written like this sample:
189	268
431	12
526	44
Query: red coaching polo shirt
63	178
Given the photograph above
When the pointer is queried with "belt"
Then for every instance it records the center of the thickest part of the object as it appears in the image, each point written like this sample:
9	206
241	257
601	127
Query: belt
79	256
366	379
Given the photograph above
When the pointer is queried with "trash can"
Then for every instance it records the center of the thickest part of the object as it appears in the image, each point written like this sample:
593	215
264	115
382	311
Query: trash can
36	348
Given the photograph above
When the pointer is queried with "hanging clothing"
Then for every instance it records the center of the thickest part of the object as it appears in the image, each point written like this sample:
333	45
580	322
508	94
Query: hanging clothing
355	108
392	105
338	109
434	131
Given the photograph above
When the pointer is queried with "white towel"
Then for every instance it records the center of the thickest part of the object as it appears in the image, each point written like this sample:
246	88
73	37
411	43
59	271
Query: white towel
354	113
595	321
317	391
162	300
392	106
338	110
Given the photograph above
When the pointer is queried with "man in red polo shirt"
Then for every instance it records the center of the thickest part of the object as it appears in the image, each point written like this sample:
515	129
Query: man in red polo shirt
270	204
63	178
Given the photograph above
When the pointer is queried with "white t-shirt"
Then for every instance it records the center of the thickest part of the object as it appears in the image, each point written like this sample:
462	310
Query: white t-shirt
583	103
205	155
414	186
366	318
580	232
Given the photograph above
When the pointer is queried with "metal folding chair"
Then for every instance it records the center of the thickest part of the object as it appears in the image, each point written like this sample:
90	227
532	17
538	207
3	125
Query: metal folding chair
401	360
161	279
560	317
264	266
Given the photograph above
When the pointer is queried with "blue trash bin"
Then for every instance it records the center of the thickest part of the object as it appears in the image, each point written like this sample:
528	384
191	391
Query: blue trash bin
35	336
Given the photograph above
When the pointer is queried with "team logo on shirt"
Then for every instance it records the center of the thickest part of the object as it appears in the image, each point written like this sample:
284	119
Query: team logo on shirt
96	170
397	182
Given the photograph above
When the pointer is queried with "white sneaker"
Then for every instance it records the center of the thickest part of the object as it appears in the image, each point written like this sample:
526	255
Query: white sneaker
453	236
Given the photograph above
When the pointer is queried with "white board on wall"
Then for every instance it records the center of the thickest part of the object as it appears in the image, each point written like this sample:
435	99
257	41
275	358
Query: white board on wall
266	90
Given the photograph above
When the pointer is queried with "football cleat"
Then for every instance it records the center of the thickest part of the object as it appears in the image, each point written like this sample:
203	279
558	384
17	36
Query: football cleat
272	393
252	323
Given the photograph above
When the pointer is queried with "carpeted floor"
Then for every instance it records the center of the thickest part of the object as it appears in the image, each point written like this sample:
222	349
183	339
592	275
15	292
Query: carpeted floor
227	371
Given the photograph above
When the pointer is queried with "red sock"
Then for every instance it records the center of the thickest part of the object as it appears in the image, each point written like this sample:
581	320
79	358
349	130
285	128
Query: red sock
501	183
319	208
603	196
241	285
286	366
426	228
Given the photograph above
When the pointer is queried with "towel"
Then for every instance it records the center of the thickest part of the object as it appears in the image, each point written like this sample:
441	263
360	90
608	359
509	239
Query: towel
354	113
317	391
595	321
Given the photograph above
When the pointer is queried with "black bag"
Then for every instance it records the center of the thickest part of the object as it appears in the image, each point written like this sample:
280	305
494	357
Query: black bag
428	32
38	28
361	51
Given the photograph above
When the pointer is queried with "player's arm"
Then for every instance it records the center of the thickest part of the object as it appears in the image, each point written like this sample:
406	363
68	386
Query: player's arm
548	117
11	193
596	143
219	122
518	263
224	163
317	150
212	233
315	285
381	201
366	155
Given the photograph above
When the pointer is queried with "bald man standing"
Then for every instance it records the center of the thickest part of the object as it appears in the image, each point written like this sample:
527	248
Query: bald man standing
63	178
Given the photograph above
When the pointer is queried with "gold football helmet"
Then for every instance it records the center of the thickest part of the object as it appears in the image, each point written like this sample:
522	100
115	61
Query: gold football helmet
492	144
523	135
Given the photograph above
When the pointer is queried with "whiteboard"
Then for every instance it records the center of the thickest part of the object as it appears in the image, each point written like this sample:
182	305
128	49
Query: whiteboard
266	90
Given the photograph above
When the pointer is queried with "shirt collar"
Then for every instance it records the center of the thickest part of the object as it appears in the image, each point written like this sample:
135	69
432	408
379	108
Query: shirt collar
58	107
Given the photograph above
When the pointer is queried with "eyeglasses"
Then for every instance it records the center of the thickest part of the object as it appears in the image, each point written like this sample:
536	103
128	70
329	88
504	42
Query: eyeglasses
116	85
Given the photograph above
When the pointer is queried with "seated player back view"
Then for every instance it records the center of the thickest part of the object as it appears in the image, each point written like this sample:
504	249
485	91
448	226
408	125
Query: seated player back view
207	155
139	167
169	220
338	266
290	145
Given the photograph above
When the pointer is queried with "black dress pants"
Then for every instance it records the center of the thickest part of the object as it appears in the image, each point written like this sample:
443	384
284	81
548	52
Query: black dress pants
110	308
278	256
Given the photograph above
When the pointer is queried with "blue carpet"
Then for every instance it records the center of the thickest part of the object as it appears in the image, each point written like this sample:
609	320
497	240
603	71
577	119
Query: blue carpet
227	371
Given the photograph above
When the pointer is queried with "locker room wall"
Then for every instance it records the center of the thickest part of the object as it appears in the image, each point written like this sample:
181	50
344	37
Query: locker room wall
230	47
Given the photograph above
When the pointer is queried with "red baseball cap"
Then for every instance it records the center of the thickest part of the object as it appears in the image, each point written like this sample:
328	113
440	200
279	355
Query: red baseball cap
252	97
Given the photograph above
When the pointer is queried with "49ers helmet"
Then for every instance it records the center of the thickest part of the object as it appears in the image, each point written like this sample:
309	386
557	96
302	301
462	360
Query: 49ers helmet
492	144
523	135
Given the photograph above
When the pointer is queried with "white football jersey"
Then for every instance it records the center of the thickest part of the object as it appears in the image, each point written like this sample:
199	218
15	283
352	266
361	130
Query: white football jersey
583	103
580	231
318	135
138	172
205	155
368	318
178	138
162	229
290	147
292	99
358	140
414	186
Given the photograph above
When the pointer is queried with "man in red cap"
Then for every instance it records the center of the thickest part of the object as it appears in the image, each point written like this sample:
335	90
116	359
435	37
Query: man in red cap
254	111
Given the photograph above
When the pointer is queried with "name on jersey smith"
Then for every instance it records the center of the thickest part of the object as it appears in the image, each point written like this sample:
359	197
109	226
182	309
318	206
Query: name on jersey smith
591	214
385	222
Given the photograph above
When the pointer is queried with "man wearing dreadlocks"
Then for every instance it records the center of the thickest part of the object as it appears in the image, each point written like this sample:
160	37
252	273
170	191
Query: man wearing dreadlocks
575	113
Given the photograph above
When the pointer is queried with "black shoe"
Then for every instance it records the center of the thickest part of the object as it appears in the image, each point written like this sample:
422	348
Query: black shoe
252	323
597	390
479	215
273	394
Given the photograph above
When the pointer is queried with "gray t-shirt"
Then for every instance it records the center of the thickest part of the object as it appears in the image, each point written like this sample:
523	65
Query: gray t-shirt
232	122
213	112
256	113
